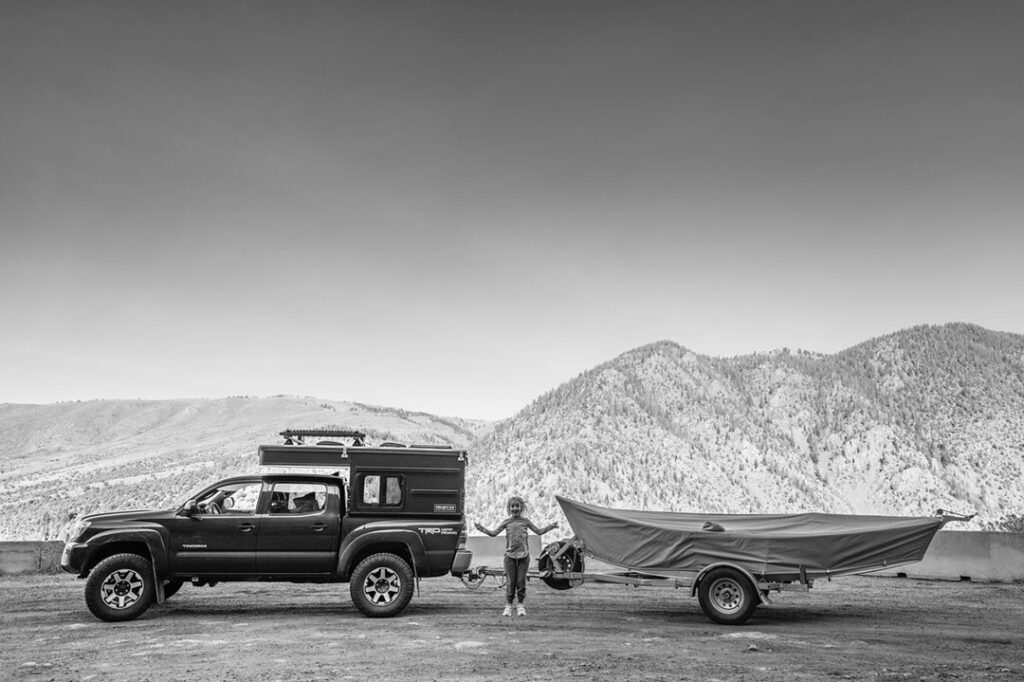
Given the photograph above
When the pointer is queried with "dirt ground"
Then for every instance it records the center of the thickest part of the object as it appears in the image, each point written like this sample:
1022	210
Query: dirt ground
855	628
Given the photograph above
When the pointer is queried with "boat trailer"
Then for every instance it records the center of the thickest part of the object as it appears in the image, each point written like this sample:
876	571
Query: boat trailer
728	594
730	590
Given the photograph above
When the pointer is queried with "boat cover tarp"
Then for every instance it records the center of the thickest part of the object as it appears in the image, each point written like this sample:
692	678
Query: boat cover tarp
774	546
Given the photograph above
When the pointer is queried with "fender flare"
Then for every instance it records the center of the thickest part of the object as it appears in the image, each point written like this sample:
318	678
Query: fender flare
152	538
408	538
724	564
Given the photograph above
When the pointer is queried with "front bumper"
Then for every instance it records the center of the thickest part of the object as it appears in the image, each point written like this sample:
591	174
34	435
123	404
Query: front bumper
72	559
463	558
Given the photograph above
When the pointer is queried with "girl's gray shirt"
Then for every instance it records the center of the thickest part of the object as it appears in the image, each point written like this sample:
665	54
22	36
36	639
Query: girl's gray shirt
516	528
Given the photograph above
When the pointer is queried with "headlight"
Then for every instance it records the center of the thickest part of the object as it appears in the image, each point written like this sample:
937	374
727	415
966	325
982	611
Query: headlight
77	528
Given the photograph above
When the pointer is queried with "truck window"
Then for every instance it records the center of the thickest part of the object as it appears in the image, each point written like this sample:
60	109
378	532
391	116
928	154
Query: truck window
236	498
297	498
381	491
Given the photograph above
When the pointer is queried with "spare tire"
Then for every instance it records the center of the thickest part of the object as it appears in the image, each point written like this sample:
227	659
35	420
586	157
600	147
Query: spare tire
557	558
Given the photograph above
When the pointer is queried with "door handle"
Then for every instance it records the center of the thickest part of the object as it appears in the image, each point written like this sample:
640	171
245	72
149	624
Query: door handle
246	527
318	527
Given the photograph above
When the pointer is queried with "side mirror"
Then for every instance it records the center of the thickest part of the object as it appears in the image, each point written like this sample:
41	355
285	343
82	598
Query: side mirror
191	507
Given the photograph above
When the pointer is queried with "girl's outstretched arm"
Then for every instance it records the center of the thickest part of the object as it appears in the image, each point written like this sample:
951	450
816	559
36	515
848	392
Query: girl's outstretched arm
480	527
494	532
545	529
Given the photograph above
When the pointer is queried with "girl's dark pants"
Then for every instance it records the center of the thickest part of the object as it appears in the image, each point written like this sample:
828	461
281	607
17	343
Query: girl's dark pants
515	578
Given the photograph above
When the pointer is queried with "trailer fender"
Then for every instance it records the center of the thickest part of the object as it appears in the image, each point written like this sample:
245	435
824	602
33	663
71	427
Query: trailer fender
724	564
384	540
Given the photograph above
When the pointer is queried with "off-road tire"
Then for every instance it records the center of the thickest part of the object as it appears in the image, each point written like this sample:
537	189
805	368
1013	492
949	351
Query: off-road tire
727	596
381	585
120	587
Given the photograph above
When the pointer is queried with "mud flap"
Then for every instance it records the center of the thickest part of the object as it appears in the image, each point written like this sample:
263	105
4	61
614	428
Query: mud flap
159	585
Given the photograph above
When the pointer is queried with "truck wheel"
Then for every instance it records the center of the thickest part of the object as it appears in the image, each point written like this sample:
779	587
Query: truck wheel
120	587
727	596
381	586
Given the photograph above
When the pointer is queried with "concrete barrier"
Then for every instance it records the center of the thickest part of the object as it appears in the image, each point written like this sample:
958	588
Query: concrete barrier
490	552
953	555
17	558
969	555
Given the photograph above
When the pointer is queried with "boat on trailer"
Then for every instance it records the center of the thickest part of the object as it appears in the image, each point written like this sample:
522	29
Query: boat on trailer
768	546
731	562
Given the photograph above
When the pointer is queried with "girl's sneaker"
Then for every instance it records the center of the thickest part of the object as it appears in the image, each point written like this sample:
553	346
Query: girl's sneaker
520	610
508	610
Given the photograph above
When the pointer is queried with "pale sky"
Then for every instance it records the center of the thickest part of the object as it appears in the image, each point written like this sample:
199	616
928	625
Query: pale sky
454	207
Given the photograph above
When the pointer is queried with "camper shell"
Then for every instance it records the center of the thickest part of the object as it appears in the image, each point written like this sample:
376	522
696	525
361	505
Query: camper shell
433	477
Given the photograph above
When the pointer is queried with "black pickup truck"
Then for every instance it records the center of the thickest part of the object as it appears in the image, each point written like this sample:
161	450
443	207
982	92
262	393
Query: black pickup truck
398	517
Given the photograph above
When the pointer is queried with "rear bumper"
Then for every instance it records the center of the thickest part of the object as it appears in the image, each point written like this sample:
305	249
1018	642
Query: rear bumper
463	559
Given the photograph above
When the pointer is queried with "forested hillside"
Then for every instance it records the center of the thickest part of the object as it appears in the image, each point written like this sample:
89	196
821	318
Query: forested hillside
926	418
930	417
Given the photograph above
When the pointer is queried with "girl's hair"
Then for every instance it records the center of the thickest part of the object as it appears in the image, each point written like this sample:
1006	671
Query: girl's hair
515	498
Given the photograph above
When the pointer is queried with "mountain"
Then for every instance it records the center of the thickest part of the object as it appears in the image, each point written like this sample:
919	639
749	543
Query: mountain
112	454
925	418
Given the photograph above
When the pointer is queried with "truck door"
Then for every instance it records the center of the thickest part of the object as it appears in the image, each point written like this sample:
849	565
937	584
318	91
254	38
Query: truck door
300	533
221	538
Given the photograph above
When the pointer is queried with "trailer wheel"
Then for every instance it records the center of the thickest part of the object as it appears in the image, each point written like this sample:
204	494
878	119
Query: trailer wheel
381	585
120	587
727	596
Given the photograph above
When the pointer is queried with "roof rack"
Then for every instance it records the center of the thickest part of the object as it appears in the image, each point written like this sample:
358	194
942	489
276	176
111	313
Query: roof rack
297	436
415	446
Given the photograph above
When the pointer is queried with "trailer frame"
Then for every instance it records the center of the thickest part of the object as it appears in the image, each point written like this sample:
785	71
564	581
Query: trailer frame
728	593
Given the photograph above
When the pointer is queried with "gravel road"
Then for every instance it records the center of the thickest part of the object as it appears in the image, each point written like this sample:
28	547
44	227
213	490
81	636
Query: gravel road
855	628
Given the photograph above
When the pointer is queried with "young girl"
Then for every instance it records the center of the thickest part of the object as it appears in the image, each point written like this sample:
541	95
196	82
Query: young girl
517	552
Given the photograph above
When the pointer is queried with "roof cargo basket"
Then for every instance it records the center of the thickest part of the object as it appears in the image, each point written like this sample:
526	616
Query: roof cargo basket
415	446
314	448
298	436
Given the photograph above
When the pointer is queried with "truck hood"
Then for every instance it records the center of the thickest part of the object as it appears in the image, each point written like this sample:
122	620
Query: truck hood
113	518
